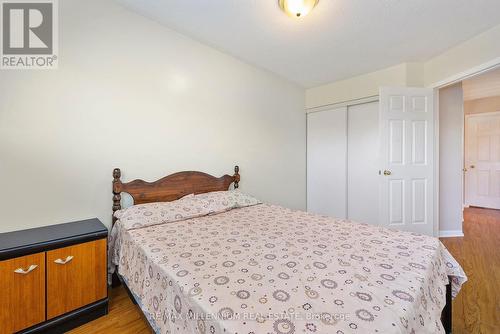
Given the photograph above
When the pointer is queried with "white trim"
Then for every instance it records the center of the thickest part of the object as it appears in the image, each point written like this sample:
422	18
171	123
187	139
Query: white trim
463	149
451	233
436	162
476	70
363	100
465	196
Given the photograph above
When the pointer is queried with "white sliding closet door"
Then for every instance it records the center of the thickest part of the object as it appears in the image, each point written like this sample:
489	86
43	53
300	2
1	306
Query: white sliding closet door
363	163
326	162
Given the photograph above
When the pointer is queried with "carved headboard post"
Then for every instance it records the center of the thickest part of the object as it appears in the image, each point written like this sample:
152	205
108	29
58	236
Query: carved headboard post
236	177
116	192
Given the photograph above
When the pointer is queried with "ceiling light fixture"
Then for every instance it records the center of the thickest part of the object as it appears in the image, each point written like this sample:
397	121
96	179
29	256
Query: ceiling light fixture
297	8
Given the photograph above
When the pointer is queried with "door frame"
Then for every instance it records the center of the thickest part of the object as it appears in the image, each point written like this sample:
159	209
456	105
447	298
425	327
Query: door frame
451	80
466	118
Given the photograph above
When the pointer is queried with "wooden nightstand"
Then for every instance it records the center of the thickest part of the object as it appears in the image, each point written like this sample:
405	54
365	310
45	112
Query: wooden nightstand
53	278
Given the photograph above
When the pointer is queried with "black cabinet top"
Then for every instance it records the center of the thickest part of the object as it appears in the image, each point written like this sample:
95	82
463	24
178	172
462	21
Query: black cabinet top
19	243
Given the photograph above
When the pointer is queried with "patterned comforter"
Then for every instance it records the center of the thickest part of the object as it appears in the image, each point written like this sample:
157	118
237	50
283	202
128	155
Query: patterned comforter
267	269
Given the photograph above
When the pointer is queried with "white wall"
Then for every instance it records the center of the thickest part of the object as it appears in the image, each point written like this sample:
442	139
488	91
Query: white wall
356	87
130	93
482	49
365	85
451	120
482	86
485	105
476	52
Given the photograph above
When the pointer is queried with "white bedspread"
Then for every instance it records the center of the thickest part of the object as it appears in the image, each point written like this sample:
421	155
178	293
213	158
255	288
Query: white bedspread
267	269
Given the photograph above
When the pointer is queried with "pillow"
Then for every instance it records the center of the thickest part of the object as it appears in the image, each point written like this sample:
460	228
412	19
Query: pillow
148	214
220	201
190	206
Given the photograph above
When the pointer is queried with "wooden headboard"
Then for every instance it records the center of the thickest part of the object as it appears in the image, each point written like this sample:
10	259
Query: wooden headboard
171	187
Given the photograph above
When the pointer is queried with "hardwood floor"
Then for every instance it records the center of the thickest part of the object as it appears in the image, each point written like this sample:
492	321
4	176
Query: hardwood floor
477	307
475	310
123	318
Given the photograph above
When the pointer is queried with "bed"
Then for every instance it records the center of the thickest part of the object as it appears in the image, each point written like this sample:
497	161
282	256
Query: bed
200	258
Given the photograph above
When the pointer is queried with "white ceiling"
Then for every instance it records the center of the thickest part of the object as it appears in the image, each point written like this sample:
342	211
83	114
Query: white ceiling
481	86
338	39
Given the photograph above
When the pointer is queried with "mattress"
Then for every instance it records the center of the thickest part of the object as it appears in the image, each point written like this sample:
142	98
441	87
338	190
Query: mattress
269	269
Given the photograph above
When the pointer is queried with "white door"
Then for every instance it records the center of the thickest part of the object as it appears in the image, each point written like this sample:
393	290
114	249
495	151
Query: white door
406	153
363	163
482	160
326	162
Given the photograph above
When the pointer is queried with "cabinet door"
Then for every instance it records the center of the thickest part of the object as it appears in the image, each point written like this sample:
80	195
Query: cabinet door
22	299
76	276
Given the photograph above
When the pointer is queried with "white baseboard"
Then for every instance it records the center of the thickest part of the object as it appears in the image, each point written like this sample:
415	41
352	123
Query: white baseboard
451	233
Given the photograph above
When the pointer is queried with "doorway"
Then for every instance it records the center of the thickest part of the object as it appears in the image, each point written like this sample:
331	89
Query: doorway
482	140
469	118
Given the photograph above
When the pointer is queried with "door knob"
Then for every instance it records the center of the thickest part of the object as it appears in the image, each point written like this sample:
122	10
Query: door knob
472	166
387	172
464	169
